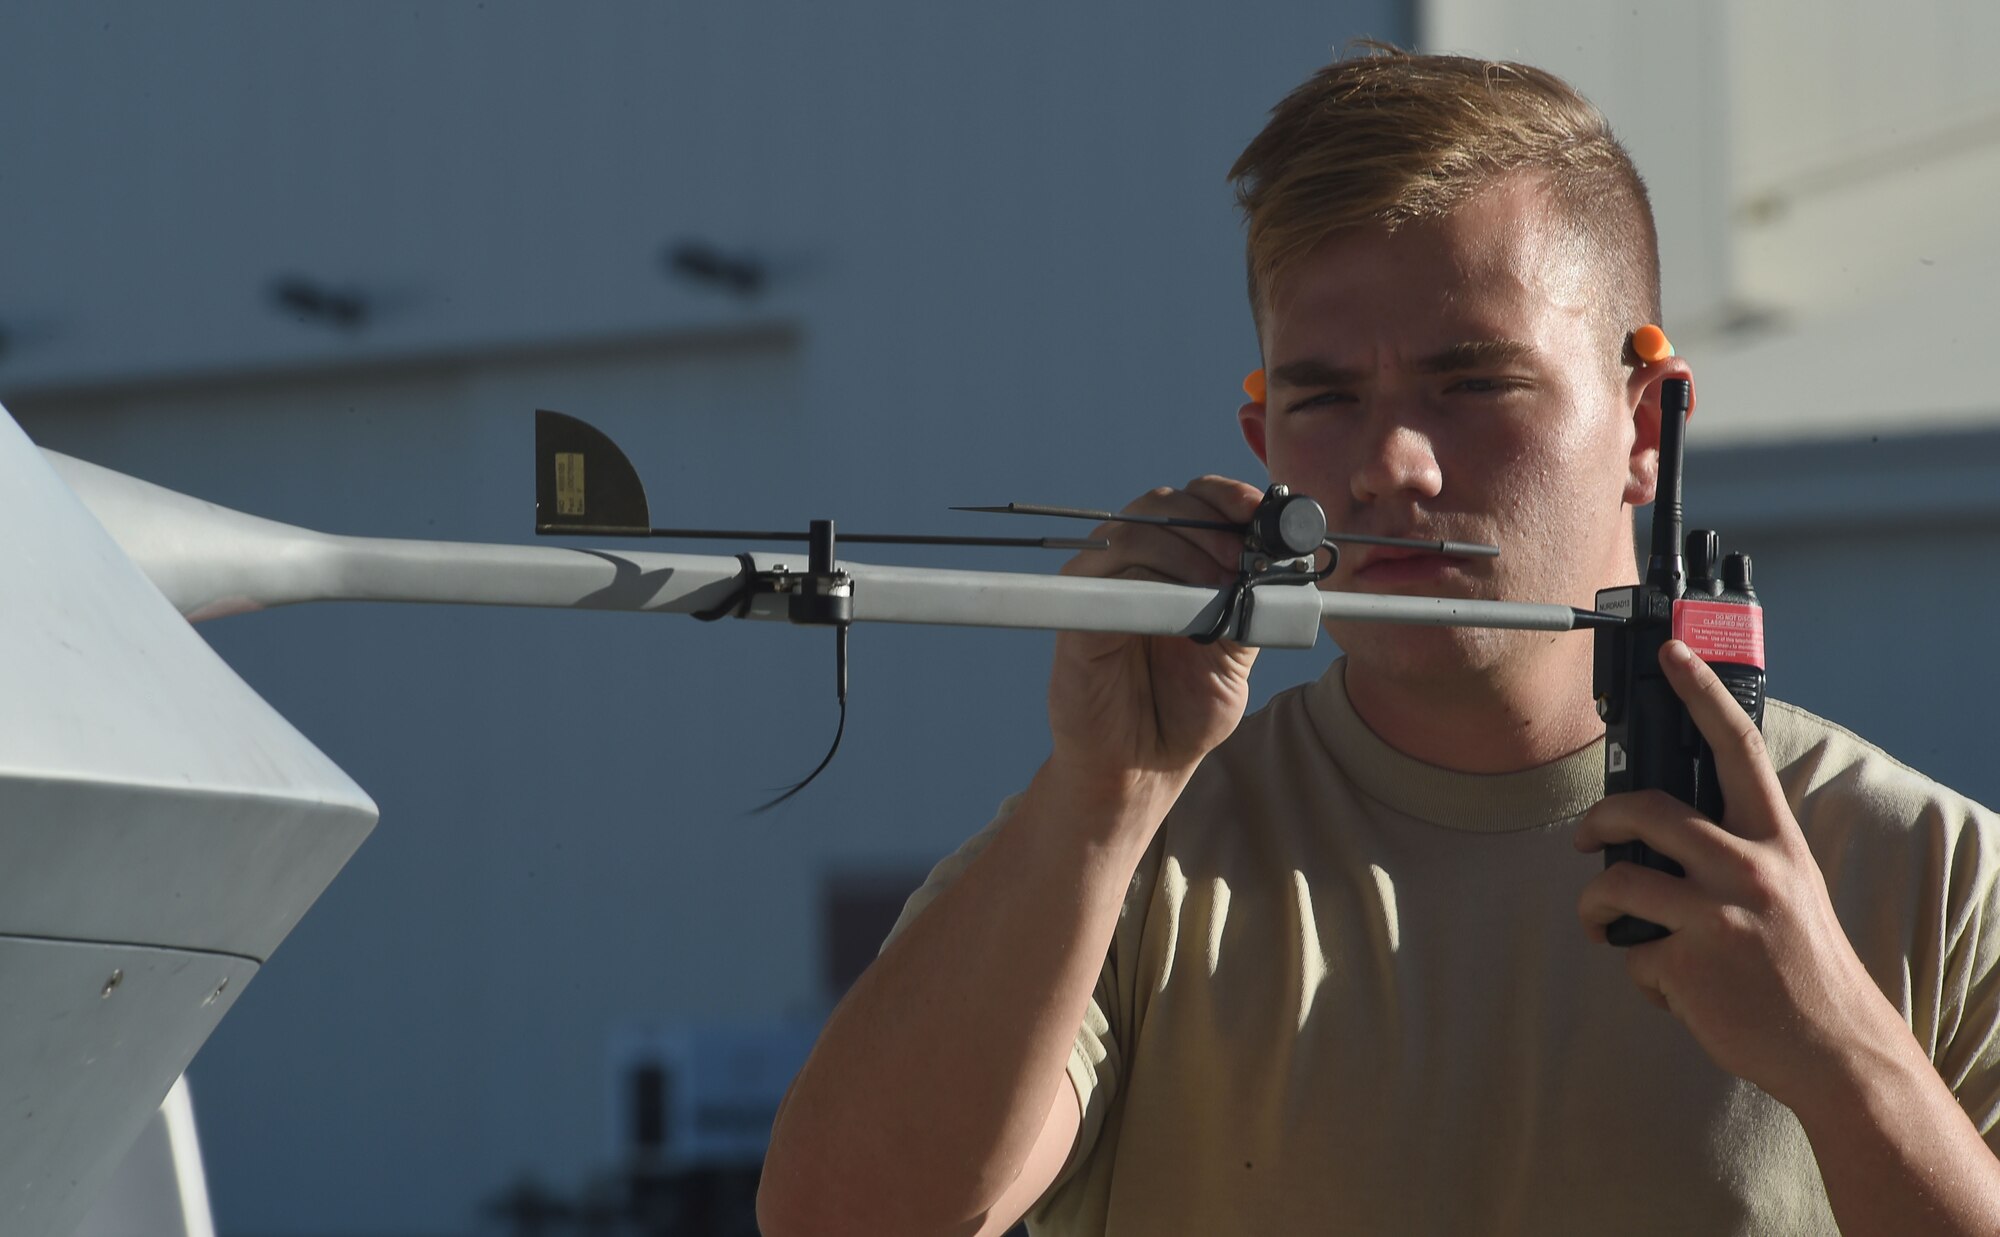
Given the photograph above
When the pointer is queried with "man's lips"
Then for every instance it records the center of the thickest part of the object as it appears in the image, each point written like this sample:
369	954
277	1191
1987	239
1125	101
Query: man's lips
1395	565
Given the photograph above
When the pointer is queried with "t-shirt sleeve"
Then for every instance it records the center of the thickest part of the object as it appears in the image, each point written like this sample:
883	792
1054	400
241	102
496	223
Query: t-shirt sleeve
1094	1061
1967	1053
1914	871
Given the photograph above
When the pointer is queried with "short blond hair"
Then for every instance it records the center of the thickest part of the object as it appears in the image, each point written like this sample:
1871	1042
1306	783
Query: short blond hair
1389	137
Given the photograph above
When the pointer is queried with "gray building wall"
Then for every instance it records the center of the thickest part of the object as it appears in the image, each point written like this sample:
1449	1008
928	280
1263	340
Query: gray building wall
1002	263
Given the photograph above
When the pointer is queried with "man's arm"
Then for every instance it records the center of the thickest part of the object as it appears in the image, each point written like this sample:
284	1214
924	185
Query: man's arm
932	1083
1896	1151
1760	971
937	1099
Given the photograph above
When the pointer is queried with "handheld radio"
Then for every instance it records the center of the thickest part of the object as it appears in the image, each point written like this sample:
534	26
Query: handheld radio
1650	742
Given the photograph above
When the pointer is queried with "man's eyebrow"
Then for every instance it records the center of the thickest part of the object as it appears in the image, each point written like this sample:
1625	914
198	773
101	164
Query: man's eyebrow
1475	354
1310	373
1471	354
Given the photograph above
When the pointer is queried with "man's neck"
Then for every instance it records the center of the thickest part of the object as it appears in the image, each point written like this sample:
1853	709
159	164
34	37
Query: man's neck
1536	707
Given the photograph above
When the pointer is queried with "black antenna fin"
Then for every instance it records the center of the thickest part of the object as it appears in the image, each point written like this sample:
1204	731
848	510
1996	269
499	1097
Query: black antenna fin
583	482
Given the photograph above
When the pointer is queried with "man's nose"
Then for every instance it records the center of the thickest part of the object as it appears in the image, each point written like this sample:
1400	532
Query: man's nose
1397	459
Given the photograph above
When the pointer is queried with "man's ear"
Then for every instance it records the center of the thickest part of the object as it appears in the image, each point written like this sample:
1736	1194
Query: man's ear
1642	395
1251	418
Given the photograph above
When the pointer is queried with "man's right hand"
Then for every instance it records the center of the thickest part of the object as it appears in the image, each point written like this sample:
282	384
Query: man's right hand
1126	709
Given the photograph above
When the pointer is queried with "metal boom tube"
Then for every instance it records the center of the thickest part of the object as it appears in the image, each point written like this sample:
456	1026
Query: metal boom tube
211	561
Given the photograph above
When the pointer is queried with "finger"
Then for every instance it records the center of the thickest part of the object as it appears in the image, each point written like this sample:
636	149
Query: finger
1646	966
1707	850
1741	761
1628	889
1223	548
1210	499
1163	553
1232	499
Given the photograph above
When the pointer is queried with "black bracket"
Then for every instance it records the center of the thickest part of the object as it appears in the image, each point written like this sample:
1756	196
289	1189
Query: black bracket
1278	548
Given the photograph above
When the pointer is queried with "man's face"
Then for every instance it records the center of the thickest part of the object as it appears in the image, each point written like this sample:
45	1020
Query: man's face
1454	379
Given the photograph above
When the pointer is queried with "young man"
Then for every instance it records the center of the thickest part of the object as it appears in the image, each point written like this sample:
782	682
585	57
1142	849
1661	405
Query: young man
1329	975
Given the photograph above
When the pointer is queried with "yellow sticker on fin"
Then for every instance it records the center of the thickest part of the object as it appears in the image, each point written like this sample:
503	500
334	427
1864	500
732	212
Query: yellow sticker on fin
569	483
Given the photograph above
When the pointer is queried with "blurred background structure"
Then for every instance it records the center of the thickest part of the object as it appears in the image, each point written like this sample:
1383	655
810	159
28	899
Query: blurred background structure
320	263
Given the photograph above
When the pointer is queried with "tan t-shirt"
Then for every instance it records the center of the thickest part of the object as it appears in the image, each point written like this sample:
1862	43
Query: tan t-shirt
1349	994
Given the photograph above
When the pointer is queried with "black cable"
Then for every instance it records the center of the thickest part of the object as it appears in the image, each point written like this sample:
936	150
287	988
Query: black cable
1241	595
738	601
840	669
1238	593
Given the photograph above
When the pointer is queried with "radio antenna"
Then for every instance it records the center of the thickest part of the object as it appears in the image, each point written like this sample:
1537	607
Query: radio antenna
1665	569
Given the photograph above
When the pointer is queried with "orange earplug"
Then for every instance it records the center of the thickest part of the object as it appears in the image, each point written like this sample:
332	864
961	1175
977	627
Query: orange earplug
1649	344
1253	385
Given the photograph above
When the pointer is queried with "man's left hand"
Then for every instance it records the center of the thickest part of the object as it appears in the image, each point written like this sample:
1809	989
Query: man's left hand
1757	966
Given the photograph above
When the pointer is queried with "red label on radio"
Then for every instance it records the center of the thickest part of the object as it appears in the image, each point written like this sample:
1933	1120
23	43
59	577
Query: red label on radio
1720	631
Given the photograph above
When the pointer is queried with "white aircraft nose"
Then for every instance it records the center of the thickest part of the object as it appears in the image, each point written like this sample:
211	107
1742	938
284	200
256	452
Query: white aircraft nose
163	829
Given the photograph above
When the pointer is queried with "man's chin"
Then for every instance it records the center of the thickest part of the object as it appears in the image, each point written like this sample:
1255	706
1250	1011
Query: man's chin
1417	651
1451	582
1422	654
